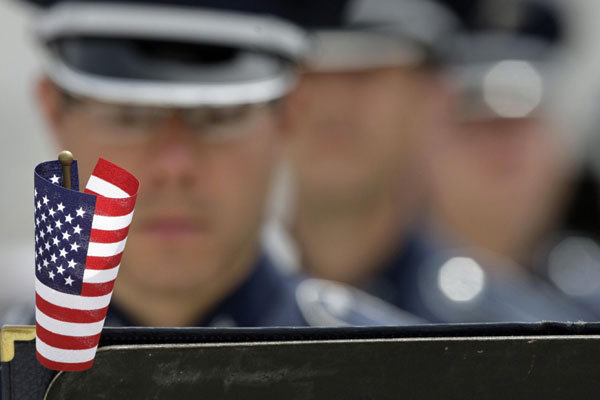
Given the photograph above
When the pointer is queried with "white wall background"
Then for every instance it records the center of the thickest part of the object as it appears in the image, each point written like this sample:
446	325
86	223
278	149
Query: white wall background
23	141
22	144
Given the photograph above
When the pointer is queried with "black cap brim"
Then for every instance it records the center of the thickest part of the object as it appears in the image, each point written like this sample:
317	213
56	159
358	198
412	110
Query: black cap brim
169	56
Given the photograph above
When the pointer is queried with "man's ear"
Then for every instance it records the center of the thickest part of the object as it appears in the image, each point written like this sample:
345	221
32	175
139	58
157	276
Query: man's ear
51	104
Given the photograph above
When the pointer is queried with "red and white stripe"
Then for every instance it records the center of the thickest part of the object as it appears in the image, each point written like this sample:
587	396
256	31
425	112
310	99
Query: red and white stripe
69	326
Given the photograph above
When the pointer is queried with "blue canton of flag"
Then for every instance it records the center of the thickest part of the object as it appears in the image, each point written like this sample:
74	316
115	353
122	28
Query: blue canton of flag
63	222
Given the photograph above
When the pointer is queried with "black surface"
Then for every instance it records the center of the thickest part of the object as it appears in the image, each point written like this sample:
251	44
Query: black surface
114	336
562	362
514	368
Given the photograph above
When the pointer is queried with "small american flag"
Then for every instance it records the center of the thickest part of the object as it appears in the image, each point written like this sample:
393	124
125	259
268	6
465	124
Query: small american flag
79	241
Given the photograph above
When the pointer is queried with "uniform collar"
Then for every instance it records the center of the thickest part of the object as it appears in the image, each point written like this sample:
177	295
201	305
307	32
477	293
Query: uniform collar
244	307
406	260
398	281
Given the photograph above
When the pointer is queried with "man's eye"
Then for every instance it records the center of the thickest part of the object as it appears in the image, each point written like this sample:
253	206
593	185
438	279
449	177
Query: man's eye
134	117
227	115
124	118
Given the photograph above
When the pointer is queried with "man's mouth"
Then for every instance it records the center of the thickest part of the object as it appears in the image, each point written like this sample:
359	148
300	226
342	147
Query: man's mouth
172	227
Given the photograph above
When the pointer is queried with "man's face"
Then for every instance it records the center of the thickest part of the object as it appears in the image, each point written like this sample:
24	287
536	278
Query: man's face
201	195
355	132
498	181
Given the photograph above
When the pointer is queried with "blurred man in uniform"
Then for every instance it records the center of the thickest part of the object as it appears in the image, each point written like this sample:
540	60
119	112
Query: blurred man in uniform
500	171
500	176
571	257
368	140
362	119
188	97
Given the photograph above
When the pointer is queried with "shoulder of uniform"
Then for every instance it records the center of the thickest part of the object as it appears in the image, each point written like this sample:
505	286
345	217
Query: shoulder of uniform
327	303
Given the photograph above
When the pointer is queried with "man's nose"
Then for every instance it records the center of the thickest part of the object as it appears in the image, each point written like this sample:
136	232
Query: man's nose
174	156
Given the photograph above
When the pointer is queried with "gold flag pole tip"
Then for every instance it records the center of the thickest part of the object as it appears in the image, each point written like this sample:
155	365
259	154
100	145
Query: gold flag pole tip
65	157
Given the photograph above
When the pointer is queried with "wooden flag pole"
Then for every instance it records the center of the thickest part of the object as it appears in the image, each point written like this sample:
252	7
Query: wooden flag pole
65	157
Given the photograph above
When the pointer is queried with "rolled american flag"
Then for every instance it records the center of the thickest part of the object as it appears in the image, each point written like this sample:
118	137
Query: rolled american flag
79	239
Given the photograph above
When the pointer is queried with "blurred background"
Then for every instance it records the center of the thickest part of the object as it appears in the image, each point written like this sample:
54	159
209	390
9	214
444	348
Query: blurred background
25	142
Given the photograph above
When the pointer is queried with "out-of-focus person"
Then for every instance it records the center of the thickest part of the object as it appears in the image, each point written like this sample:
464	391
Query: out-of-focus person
571	260
432	190
501	171
188	97
362	119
